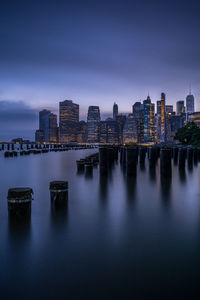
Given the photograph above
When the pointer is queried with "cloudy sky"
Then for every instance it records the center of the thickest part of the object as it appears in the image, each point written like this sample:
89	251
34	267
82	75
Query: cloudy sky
95	53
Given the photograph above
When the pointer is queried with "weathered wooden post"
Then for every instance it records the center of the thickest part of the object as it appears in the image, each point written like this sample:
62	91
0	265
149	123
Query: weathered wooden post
80	165
19	202
58	192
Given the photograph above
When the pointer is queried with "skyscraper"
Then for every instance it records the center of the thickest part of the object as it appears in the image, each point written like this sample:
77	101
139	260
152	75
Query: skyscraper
130	130
82	132
149	120
189	104
48	129
115	111
180	108
93	124
137	116
121	120
169	109
69	118
146	104
44	123
162	119
159	108
158	121
53	128
109	131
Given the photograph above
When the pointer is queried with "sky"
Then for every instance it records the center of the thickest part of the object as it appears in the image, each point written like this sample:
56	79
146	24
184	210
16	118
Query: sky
94	53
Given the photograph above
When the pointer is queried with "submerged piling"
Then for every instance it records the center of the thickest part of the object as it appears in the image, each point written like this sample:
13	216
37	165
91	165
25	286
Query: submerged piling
80	165
19	202
58	192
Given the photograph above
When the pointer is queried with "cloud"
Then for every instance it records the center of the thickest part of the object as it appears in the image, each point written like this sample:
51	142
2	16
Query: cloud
17	119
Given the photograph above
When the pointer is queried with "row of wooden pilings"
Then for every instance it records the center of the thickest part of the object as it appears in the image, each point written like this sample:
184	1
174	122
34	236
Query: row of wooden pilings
20	199
38	149
129	157
85	165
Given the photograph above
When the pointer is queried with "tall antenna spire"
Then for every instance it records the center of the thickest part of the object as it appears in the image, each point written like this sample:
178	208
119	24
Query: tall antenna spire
190	88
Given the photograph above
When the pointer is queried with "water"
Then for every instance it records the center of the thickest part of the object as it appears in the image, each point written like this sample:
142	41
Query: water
117	239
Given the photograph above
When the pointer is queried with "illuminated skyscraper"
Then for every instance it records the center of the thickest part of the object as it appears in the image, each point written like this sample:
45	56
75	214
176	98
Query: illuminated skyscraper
159	108
93	124
158	121
137	116
162	119
115	111
109	132
69	118
152	136
82	132
169	109
149	120
130	134
121	120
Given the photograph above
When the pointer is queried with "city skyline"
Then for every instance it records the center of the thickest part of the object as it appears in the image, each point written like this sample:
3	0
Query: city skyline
146	123
32	115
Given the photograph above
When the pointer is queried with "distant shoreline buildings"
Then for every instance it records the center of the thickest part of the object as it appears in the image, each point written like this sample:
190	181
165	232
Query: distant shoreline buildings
144	125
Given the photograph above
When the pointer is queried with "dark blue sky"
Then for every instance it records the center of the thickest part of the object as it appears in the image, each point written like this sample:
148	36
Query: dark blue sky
94	52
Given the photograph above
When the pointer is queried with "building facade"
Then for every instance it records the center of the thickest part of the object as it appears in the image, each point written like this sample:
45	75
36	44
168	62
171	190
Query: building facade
180	108
93	124
115	111
69	119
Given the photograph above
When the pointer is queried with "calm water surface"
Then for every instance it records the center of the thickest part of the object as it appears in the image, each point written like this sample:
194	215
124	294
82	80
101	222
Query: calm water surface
117	239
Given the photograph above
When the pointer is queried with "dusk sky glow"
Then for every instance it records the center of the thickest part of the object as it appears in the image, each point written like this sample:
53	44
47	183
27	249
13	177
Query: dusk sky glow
95	53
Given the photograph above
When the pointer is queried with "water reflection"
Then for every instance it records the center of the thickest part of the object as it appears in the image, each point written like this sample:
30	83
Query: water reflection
142	166
59	214
131	188
152	172
165	183
103	187
59	211
182	175
19	230
190	165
